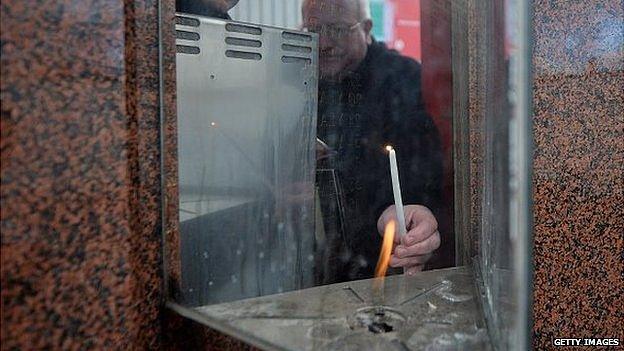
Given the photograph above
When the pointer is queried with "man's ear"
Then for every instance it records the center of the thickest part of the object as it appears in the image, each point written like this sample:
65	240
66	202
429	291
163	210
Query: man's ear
367	25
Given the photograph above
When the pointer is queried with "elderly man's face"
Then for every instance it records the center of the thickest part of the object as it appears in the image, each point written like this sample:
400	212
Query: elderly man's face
343	35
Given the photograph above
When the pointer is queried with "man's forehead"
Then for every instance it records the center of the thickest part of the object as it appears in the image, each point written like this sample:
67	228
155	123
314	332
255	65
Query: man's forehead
332	11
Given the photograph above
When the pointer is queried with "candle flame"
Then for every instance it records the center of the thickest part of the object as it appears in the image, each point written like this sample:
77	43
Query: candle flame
386	250
388	148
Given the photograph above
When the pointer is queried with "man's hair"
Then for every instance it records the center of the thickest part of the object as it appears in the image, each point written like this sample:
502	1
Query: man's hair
362	8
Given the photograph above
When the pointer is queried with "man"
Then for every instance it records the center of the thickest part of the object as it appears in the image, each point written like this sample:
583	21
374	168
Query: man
208	8
369	97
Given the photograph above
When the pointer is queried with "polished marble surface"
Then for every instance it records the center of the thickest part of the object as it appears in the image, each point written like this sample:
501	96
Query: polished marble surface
81	194
578	191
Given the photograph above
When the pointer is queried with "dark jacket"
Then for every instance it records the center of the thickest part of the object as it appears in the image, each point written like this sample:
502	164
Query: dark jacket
196	7
379	104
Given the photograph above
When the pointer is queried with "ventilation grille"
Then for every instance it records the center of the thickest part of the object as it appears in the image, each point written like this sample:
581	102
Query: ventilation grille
243	28
186	34
186	49
243	48
182	34
296	48
187	21
243	42
297	36
243	55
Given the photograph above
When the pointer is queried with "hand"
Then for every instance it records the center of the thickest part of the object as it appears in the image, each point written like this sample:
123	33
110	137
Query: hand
323	151
414	249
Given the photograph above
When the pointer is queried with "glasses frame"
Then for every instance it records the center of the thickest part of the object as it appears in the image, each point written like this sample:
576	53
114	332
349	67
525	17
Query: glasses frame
348	29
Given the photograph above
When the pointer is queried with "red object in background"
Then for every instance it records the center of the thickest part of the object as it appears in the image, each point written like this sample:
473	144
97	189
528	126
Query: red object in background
437	87
421	29
405	37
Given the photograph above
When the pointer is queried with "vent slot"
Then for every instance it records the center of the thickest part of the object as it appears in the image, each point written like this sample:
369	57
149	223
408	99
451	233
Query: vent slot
187	21
243	42
182	34
240	28
296	36
297	48
295	59
243	55
185	49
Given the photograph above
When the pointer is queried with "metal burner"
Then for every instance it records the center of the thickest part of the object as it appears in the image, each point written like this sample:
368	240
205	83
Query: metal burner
434	310
377	319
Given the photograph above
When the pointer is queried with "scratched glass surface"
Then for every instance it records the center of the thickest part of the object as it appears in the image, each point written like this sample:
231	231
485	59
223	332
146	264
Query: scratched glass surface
503	260
284	172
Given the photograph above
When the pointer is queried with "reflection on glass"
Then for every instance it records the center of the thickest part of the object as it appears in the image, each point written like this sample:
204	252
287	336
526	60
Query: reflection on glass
285	177
369	97
246	165
241	137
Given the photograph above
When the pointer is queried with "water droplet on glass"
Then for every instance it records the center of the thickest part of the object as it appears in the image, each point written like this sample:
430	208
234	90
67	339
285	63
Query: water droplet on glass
205	254
310	258
234	279
261	255
239	252
210	283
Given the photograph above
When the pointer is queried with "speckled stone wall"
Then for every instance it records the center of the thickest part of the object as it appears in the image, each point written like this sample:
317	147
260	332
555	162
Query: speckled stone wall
80	196
182	334
80	175
578	179
81	189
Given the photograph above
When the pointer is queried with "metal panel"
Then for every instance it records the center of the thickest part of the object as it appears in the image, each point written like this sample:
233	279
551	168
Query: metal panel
282	13
246	133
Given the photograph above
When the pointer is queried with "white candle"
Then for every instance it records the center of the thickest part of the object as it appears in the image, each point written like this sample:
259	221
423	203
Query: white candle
396	191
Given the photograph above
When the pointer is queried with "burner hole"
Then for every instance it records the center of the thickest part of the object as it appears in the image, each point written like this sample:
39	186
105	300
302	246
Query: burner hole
379	328
377	319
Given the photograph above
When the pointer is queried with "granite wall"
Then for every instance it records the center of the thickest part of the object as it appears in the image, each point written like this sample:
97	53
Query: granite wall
81	191
80	175
578	178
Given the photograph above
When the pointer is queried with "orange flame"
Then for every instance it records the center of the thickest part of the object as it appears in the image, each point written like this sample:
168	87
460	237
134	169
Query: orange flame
386	250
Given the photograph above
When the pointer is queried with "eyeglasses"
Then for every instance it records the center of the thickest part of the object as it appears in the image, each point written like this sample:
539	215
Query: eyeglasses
332	30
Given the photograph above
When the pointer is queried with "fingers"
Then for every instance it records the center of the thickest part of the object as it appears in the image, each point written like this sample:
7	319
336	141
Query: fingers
422	224
424	247
409	261
421	233
414	214
415	269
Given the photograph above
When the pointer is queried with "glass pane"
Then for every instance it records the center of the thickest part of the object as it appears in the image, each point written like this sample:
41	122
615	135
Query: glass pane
326	144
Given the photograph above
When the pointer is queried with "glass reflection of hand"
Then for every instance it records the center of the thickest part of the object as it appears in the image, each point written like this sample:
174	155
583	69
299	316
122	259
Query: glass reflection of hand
414	249
323	151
